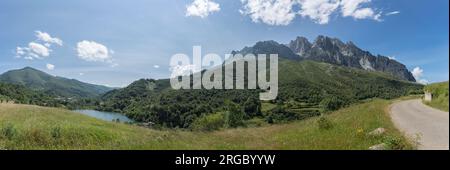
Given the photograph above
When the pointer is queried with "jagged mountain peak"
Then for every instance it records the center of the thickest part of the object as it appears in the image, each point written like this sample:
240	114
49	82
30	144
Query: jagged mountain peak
331	50
334	51
269	47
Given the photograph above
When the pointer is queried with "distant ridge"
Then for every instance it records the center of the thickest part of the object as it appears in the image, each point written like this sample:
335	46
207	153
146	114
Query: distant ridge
53	85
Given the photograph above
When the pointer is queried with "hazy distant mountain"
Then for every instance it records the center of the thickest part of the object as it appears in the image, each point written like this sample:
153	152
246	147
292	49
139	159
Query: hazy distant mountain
52	85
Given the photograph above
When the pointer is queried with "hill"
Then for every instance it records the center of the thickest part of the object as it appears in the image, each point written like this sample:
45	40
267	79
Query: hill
52	85
440	95
20	94
306	88
33	127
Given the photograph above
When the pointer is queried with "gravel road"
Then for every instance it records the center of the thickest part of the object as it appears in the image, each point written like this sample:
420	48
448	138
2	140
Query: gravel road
412	117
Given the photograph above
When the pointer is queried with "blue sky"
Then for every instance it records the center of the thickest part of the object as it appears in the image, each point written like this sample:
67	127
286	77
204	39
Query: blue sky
131	38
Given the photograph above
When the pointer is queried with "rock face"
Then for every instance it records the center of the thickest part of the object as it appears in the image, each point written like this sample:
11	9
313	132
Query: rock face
334	51
269	47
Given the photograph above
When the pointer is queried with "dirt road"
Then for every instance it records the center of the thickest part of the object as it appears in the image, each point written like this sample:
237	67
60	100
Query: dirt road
413	117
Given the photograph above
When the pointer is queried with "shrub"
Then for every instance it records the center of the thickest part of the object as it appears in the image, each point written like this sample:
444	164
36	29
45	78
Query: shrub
324	123
56	132
209	122
9	131
395	143
280	115
332	103
234	115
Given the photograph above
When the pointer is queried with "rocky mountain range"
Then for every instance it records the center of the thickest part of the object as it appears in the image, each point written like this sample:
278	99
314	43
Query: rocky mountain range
333	51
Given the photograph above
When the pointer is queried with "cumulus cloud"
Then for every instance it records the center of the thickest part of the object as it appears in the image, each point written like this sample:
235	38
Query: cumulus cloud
93	51
39	48
272	12
392	13
155	66
318	10
50	67
352	8
202	8
32	51
417	72
47	39
281	12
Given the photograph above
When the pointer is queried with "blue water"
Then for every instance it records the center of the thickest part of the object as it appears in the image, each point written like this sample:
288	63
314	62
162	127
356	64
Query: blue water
108	116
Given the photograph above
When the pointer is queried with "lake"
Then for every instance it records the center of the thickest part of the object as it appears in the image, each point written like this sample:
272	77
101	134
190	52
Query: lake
108	116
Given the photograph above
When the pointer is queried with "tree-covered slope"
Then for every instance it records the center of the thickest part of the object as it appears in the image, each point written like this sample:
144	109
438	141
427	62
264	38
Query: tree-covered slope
20	94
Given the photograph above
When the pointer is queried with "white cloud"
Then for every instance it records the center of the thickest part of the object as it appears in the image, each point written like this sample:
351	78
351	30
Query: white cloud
272	12
318	10
281	12
352	8
202	8
417	72
50	67
392	13
93	51
39	48
155	66
47	39
33	51
81	74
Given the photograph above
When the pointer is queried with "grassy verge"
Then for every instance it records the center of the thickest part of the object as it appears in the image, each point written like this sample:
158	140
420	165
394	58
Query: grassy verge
440	95
32	127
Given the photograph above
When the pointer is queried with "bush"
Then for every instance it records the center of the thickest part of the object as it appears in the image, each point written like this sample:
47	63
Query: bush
324	123
332	103
280	115
9	131
56	132
395	143
235	115
252	107
209	122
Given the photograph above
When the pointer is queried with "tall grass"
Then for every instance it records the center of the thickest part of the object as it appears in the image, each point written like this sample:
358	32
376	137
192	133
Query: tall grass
49	128
440	95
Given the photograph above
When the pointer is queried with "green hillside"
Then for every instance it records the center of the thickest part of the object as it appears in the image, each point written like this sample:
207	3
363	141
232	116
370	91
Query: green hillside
440	95
52	85
306	88
20	94
33	127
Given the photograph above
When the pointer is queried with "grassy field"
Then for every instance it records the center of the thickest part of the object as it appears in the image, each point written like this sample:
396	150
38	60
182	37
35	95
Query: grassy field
33	127
440	95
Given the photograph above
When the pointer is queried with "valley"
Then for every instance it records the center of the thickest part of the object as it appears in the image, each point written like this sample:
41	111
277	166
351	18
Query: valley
323	102
34	127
